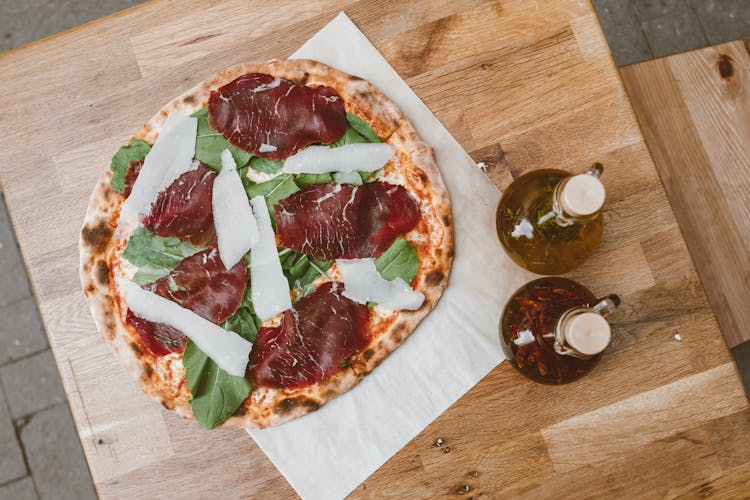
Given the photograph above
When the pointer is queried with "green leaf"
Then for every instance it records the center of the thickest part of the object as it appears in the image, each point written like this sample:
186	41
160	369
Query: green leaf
265	165
398	261
351	136
362	127
125	156
155	256
274	190
349	178
307	179
301	270
209	144
216	395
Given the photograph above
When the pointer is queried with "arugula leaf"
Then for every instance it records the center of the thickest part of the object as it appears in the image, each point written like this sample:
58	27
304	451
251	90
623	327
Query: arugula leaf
362	127
216	395
133	152
244	322
398	261
155	256
301	270
351	136
209	144
265	165
274	190
349	177
307	179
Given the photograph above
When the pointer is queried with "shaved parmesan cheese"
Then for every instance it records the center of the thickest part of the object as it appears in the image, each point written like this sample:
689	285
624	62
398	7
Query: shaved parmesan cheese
348	158
363	283
267	148
270	289
227	349
170	157
236	229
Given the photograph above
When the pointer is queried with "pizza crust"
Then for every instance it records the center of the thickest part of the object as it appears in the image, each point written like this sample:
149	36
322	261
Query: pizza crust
101	246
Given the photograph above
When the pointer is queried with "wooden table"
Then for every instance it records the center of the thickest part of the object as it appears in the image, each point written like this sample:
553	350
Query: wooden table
521	85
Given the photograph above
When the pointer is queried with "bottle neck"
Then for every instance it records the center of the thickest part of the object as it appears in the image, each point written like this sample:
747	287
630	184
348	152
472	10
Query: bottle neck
583	332
571	194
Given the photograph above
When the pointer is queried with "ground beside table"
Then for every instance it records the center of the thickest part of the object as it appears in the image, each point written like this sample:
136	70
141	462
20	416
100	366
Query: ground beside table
519	91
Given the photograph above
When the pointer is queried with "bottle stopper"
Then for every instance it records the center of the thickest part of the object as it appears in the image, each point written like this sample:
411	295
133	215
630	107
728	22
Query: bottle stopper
588	333
582	195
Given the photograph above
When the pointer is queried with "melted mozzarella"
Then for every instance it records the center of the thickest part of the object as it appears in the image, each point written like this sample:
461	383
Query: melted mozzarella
170	157
236	229
270	289
227	349
348	158
363	283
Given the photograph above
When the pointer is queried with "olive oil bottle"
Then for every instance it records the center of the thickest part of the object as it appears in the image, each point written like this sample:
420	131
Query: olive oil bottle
550	221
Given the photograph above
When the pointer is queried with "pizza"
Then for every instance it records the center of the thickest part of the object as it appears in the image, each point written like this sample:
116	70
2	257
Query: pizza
264	242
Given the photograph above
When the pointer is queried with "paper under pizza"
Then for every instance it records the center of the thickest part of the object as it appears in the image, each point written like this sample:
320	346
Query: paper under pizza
264	242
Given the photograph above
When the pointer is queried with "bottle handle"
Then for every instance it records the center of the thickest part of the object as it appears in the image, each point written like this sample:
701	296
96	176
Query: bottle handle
606	305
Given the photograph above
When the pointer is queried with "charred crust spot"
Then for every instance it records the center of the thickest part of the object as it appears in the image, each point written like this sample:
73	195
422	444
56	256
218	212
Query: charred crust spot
97	237
168	404
434	278
422	176
102	272
190	99
136	349
368	354
329	394
446	221
90	289
241	411
147	372
355	78
290	404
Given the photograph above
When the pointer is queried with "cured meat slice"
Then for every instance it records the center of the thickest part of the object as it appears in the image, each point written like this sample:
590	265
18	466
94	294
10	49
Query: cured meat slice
199	283
184	208
321	331
131	176
342	221
274	118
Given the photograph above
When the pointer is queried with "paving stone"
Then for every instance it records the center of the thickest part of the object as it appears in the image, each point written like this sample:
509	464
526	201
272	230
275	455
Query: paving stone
12	465
723	20
674	33
19	490
651	9
623	31
21	330
14	284
28	20
55	456
31	384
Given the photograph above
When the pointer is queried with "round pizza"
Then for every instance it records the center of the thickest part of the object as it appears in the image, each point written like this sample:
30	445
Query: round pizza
264	242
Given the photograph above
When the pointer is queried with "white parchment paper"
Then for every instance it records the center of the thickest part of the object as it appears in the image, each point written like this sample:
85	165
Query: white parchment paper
330	452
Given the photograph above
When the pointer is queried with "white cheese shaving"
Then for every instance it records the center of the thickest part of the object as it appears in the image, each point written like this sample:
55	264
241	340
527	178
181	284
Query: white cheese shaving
267	148
170	157
236	229
227	349
363	283
270	288
348	158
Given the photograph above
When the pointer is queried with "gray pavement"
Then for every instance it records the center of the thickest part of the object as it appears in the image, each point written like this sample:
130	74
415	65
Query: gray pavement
40	454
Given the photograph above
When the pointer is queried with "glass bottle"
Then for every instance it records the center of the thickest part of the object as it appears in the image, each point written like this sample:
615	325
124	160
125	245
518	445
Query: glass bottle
550	221
553	330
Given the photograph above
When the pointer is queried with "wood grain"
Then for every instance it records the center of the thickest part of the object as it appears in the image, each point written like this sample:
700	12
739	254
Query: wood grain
522	85
694	109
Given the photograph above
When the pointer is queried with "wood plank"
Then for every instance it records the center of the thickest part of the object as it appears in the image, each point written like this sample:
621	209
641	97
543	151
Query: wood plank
521	85
694	110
